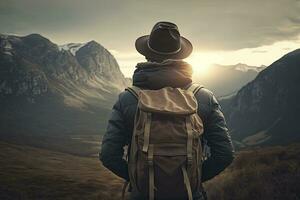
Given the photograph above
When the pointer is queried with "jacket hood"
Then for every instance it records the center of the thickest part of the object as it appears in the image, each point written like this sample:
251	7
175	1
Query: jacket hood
170	73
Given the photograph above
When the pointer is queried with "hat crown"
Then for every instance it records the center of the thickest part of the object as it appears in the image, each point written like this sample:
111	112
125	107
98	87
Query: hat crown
165	38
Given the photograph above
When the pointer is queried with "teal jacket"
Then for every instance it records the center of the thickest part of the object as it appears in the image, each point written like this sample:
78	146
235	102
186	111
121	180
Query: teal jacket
155	76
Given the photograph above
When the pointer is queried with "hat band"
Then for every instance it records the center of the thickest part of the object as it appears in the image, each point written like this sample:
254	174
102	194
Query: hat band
164	53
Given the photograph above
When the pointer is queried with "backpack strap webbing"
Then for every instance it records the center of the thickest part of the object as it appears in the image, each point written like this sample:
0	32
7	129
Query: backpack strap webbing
187	182
194	88
126	183
189	144
147	133
151	172
134	91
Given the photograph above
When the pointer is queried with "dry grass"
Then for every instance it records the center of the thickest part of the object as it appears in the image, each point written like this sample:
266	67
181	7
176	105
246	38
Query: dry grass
33	173
268	173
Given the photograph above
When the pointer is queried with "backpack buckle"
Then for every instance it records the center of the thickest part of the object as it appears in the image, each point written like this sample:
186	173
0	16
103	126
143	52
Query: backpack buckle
150	155
189	161
150	162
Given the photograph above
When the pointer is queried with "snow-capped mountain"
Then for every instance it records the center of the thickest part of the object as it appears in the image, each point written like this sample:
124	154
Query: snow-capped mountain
42	85
72	47
245	68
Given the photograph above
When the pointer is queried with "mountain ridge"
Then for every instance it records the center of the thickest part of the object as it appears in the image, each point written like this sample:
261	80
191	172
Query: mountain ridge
36	56
225	80
263	111
42	85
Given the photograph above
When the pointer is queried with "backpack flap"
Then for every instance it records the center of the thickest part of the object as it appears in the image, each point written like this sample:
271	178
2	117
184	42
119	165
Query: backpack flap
168	101
165	153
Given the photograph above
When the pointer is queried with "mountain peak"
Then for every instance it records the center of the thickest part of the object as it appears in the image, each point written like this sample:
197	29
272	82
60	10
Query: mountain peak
41	79
36	37
72	47
37	41
93	43
73	62
241	64
88	47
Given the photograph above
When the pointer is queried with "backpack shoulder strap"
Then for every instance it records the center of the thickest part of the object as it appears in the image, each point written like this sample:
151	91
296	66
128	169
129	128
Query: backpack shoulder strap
134	91
194	87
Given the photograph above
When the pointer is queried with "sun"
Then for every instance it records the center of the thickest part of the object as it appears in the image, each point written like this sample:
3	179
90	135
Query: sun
200	64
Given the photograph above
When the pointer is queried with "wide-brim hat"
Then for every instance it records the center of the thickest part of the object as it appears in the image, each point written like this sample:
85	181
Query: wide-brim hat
164	42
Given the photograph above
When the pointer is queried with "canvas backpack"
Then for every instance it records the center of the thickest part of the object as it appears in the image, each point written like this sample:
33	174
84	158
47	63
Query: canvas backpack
165	154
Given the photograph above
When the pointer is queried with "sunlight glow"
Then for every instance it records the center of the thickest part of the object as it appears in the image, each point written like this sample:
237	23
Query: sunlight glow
201	60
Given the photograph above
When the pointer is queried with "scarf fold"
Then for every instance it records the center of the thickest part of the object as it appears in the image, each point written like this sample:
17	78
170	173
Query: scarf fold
170	73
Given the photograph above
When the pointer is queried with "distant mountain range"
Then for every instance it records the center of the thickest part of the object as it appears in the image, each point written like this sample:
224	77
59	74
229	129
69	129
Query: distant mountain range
69	89
266	110
226	80
49	88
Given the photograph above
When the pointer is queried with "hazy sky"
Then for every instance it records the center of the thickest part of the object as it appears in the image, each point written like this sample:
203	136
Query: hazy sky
222	31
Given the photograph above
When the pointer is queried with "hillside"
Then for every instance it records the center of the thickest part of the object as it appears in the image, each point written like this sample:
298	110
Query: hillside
49	89
34	173
261	174
264	112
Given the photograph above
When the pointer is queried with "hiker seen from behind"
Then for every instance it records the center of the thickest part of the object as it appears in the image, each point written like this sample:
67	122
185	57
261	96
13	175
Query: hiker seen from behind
174	129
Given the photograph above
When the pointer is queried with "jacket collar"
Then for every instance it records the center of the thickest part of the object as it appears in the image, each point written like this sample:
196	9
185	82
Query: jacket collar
169	73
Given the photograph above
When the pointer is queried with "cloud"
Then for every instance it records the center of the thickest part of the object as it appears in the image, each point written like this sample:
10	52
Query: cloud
209	24
287	49
259	51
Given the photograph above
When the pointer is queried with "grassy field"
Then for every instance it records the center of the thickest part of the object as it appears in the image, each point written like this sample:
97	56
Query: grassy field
261	173
79	145
34	173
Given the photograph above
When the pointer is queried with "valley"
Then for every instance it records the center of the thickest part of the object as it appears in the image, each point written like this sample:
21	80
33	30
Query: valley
55	101
28	172
33	173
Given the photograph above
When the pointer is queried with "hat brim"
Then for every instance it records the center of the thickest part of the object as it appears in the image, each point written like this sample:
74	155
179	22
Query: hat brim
141	45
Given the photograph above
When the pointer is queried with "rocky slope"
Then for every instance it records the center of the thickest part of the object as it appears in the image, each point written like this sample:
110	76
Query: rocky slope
266	110
226	80
40	80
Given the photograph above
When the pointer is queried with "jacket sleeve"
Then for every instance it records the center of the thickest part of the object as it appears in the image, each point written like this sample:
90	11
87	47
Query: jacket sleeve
113	142
219	141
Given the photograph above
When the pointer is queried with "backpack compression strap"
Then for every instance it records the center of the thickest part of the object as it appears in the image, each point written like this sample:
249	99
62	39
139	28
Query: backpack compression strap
135	92
194	87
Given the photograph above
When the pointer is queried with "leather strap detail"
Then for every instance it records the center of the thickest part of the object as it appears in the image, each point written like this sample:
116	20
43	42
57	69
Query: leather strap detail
151	173
187	182
126	183
189	144
194	88
147	133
